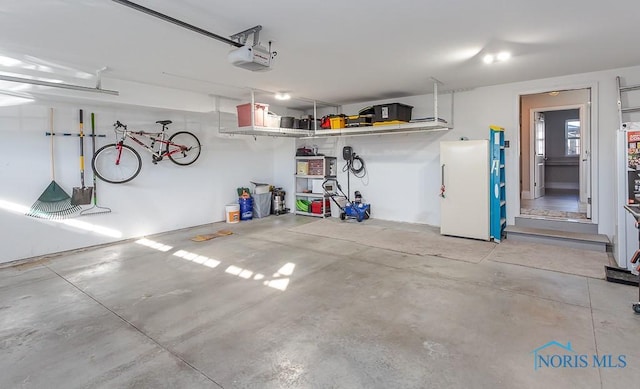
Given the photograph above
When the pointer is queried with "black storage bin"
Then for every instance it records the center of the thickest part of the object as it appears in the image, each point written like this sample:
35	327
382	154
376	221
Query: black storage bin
392	112
309	124
286	122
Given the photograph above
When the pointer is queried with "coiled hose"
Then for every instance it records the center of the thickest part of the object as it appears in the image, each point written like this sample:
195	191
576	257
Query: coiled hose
358	171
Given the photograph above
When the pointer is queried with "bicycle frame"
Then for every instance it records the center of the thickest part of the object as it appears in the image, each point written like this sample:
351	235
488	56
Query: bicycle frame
159	138
118	162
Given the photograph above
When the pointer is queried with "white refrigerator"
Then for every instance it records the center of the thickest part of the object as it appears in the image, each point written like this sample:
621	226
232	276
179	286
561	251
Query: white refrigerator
464	196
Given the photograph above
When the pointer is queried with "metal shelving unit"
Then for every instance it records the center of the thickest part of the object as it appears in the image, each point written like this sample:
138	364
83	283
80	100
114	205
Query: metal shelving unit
330	169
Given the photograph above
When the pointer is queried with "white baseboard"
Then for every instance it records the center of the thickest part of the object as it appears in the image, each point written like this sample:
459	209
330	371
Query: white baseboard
562	185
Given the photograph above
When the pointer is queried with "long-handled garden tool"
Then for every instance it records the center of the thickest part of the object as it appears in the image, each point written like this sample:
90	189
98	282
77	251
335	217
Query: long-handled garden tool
81	195
94	209
54	202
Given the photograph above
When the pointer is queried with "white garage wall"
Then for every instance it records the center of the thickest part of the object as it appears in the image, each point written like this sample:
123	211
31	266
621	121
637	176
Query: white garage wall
404	177
403	181
163	197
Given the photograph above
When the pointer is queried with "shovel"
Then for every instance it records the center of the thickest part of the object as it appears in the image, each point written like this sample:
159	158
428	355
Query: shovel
95	209
81	195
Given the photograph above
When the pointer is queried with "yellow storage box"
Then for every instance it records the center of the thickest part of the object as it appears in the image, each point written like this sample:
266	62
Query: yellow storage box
337	122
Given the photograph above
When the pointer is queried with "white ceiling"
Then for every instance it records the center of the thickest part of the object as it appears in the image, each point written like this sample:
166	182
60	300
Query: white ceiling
334	51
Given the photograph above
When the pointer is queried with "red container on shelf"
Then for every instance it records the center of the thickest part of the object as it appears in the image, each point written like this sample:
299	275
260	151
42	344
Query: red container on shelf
260	114
316	206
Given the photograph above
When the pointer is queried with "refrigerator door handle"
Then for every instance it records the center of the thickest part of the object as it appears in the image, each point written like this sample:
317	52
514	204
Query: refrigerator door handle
442	187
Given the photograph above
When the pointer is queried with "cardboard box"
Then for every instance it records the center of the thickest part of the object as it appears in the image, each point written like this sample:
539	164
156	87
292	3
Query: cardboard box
302	168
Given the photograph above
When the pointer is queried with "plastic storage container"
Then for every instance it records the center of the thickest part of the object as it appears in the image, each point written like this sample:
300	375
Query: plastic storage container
309	124
246	208
394	112
337	122
316	206
260	114
316	167
273	120
287	122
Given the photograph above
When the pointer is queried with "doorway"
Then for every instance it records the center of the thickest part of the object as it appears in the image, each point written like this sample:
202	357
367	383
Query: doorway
556	171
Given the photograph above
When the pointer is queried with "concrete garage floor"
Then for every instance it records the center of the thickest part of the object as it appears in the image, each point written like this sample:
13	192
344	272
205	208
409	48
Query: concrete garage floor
269	307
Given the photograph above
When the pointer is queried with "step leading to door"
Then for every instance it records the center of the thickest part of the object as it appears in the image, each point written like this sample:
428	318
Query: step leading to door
576	240
559	225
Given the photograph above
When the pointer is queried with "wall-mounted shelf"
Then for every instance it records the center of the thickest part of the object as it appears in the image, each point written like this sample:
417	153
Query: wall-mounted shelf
392	129
266	131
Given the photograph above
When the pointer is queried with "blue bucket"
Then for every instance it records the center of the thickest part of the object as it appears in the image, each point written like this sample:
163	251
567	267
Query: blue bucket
246	208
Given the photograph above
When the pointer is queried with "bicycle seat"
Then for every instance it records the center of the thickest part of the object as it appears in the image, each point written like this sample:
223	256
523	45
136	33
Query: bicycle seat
164	122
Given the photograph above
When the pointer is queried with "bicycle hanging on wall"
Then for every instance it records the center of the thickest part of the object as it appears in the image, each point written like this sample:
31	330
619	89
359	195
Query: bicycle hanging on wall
118	163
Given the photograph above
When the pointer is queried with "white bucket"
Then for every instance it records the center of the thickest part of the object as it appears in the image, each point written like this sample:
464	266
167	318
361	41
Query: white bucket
233	213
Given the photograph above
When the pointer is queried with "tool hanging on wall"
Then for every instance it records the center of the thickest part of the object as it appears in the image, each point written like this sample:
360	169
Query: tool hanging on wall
81	195
95	209
54	202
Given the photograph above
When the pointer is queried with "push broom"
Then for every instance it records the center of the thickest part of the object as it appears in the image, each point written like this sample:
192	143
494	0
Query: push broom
94	209
54	202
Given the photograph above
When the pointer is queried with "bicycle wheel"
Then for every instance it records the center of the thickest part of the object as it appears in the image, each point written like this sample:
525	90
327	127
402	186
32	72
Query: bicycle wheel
107	169
183	148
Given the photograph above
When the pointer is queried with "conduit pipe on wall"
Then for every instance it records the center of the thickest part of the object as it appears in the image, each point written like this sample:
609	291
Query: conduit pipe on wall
58	85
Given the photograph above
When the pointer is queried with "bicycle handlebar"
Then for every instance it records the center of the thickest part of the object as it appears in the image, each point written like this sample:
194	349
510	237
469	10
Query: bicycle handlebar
118	125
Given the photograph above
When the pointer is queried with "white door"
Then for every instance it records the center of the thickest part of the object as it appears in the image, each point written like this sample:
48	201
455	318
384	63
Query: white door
585	160
539	155
465	178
